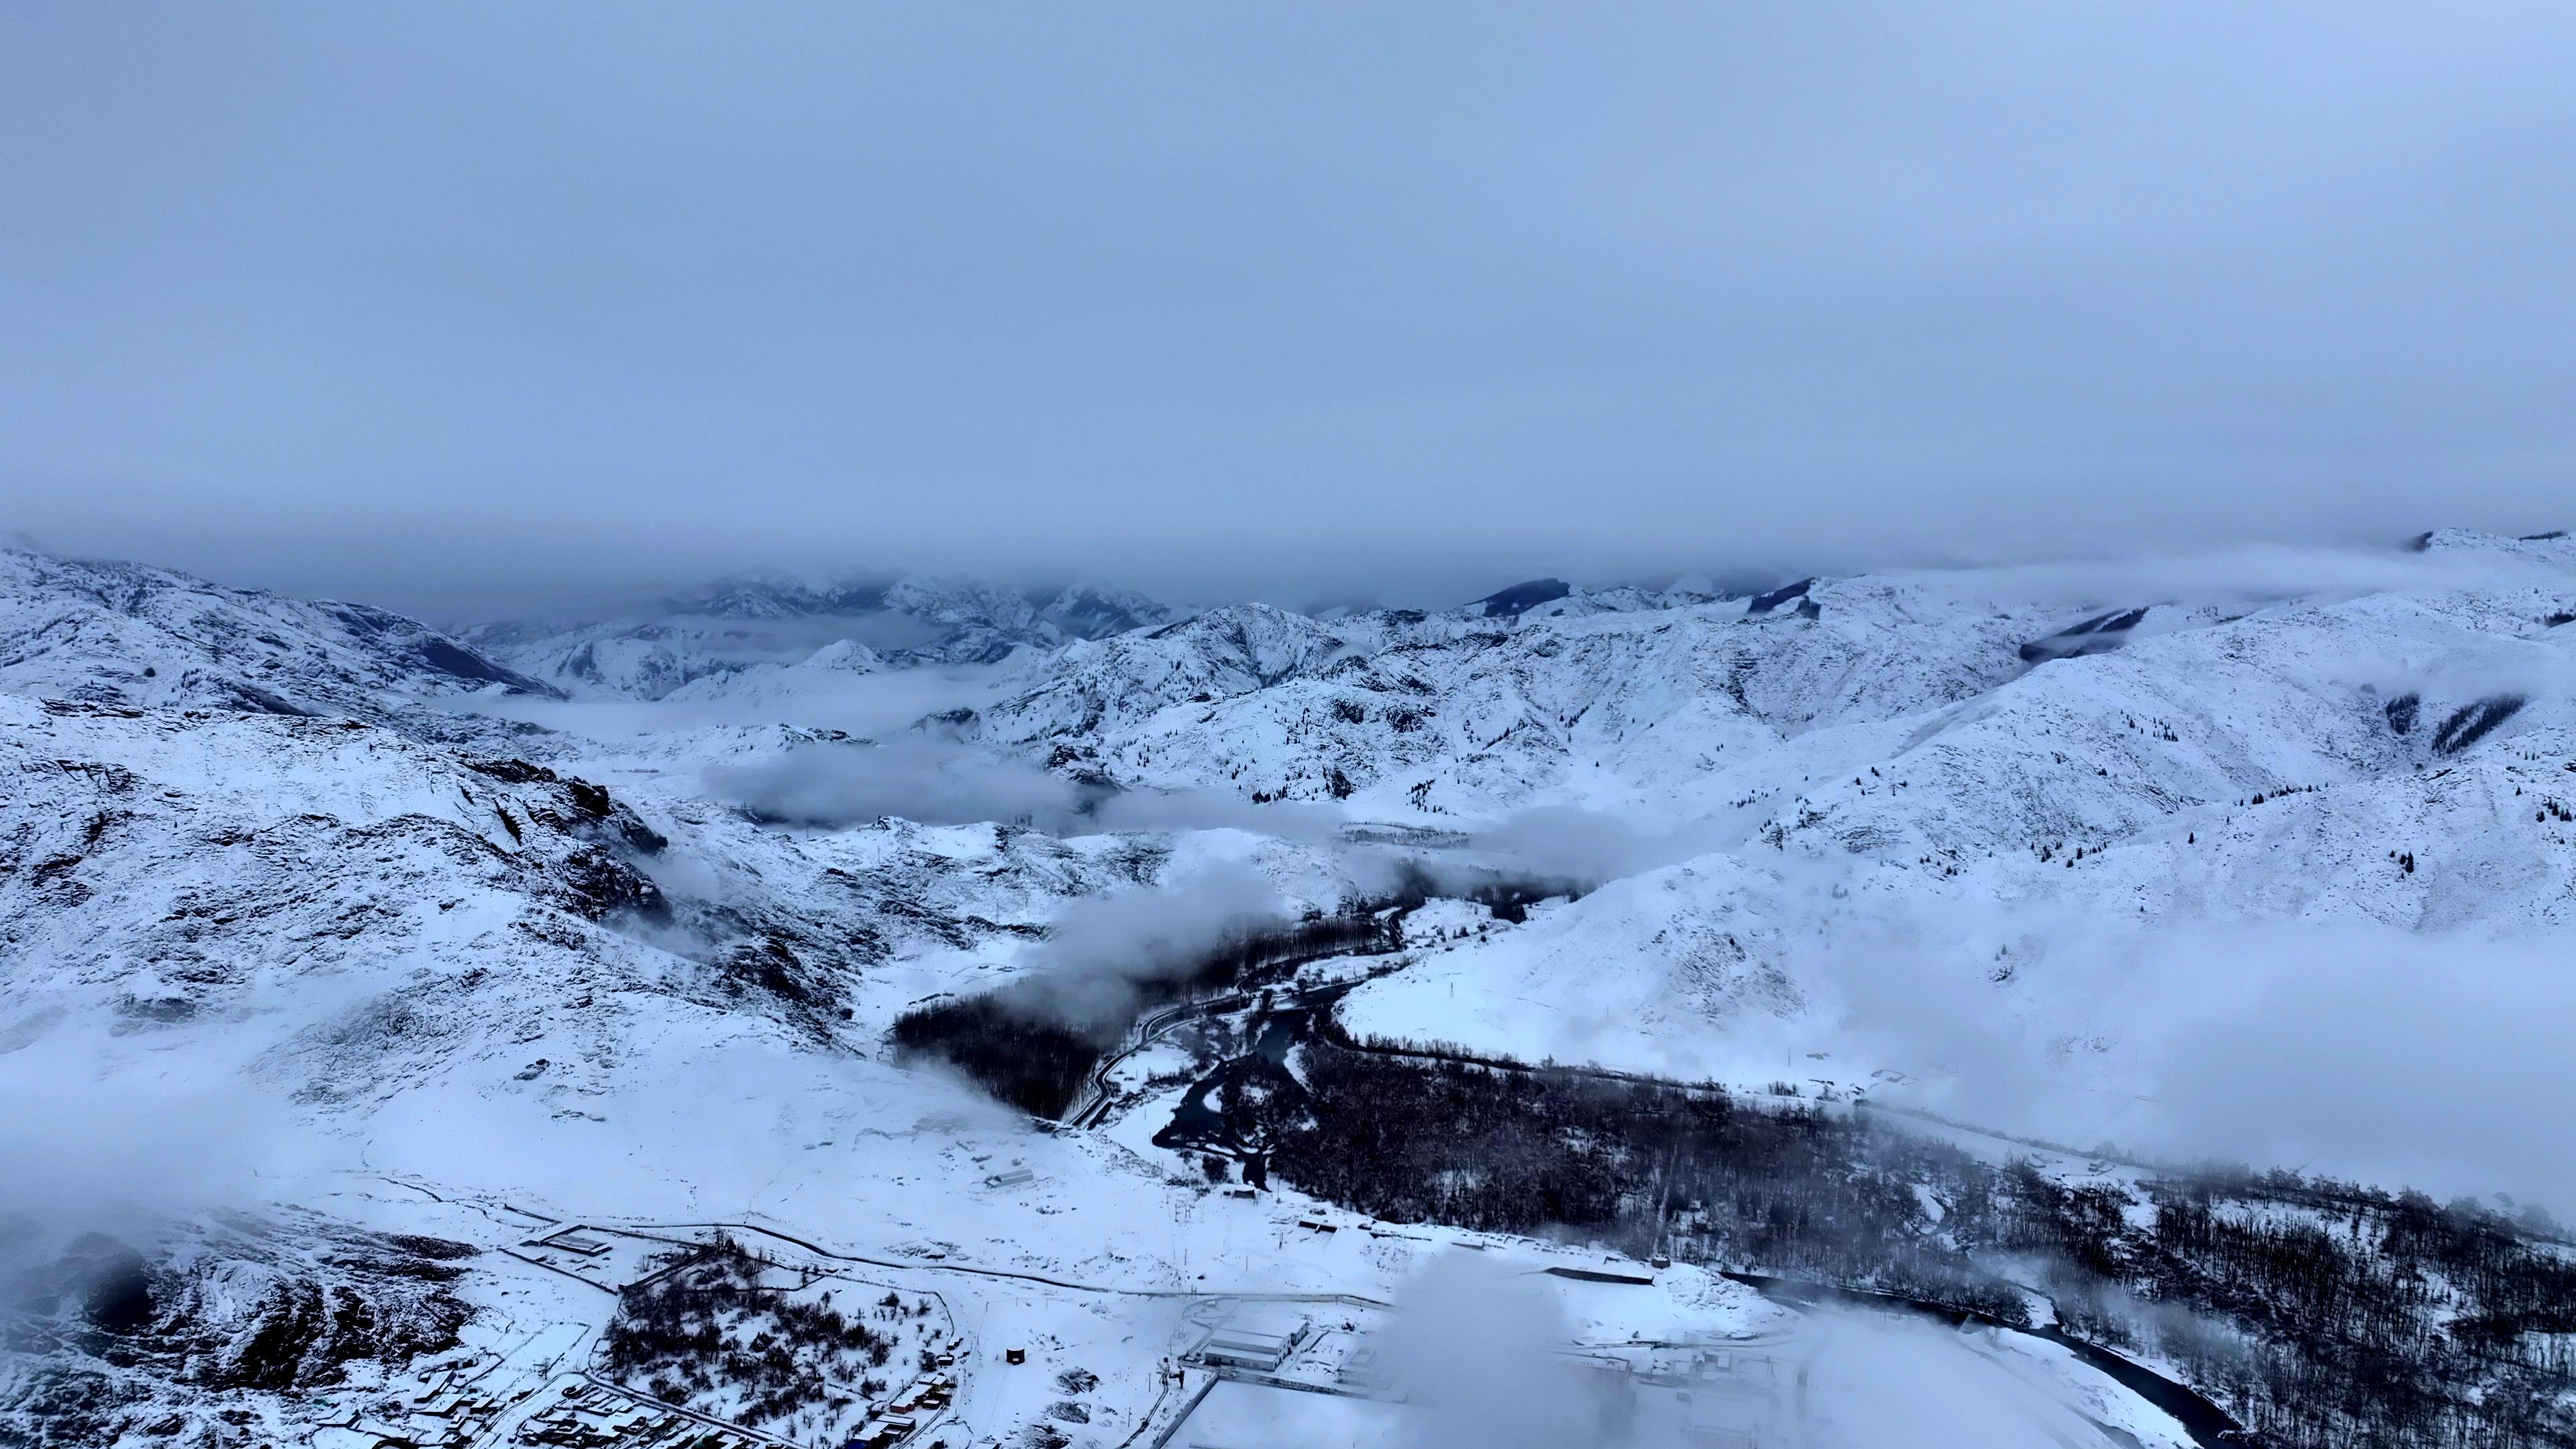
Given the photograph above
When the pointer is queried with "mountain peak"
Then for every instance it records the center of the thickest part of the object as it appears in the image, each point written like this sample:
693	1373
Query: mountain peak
1520	598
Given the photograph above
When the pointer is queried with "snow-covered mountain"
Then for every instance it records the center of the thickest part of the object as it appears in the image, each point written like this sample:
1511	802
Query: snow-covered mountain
121	633
750	625
286	955
1460	714
269	847
1887	759
350	913
2222	754
1674	710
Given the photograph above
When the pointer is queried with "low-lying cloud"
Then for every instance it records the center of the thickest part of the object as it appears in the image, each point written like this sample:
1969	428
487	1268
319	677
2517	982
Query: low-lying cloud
1476	1348
1095	955
1308	822
2352	1049
938	782
1592	845
84	1144
2429	1061
836	785
2247	574
879	704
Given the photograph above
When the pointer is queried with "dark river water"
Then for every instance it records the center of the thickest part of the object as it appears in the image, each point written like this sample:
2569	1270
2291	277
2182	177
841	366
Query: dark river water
1195	1124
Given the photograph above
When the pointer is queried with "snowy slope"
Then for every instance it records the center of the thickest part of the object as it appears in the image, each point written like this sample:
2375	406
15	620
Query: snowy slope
349	912
1400	712
2310	762
121	633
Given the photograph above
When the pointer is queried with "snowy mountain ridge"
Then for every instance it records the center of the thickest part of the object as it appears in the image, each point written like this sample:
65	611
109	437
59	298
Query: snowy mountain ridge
753	624
121	633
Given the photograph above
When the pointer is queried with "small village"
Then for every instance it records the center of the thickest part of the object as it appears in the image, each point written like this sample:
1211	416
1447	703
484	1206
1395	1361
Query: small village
556	1388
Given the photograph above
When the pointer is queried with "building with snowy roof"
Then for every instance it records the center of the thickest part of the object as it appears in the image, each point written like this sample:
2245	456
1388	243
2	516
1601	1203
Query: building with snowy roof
1253	1339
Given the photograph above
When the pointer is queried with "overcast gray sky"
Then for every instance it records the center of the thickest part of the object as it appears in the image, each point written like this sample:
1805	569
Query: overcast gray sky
411	302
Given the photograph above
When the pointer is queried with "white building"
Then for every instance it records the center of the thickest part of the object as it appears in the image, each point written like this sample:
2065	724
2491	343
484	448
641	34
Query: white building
1253	1339
1365	1370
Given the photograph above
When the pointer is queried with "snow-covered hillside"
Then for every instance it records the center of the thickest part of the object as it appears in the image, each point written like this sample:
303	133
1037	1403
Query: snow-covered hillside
120	633
350	914
1674	714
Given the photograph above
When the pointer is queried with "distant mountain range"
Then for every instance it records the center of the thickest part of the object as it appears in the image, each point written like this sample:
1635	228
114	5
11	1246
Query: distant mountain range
755	624
737	633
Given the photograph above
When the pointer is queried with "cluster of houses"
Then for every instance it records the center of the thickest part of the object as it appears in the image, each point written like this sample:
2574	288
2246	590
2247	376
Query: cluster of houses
444	1409
921	1401
588	1416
